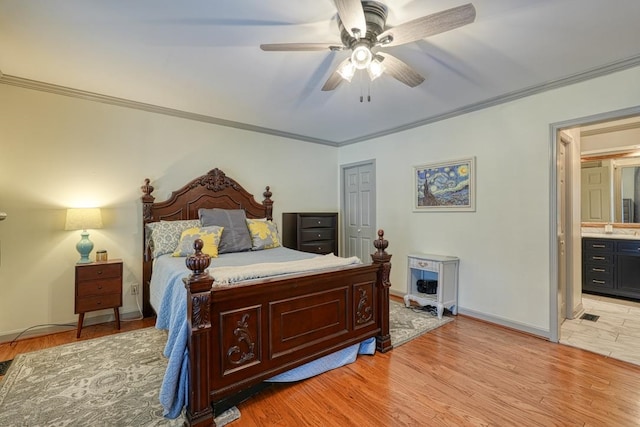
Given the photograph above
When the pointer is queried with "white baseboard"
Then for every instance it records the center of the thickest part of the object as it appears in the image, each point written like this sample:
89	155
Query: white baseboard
493	319
66	326
504	322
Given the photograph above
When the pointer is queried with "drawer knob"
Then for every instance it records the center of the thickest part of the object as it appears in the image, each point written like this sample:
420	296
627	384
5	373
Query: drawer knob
597	246
600	270
599	282
99	286
598	257
319	235
99	272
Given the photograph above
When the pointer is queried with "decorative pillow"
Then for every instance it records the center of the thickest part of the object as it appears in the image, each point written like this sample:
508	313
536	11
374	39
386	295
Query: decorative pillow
235	237
165	235
264	234
210	237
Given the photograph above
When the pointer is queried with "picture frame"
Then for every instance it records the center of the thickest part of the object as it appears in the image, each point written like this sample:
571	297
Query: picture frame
447	186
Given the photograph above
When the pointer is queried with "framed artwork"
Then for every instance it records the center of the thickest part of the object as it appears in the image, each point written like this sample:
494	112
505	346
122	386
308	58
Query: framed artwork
445	186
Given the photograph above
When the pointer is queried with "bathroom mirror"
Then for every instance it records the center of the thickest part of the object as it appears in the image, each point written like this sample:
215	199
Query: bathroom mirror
610	189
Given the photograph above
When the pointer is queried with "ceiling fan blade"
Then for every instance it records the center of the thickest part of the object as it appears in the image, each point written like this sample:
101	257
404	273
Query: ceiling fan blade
400	71
300	47
335	78
352	16
429	25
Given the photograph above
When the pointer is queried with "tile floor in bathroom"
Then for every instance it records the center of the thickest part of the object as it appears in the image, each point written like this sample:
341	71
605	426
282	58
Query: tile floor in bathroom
616	333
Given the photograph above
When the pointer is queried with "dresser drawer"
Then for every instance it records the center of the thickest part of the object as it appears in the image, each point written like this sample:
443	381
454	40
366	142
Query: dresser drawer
99	287
99	271
317	222
320	247
310	235
98	302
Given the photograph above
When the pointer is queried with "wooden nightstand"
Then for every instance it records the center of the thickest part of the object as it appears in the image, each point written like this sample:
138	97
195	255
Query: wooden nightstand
98	286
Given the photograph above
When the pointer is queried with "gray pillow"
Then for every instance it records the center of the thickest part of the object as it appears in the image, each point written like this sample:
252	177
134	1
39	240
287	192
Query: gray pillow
235	236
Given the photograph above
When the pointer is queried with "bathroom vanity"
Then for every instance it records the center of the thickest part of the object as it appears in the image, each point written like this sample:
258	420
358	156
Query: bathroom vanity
611	265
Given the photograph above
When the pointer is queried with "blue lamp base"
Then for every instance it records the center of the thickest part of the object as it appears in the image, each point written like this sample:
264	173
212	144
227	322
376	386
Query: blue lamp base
84	247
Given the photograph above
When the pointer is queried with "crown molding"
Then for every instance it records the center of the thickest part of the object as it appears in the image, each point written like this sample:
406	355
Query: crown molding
507	97
127	103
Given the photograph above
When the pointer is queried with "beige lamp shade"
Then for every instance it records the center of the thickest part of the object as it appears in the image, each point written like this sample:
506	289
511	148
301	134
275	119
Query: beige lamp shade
83	219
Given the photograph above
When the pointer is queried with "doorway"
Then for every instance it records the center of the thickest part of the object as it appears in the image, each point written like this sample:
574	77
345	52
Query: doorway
565	211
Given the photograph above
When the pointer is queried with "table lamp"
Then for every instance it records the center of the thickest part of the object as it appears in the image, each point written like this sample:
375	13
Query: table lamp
83	219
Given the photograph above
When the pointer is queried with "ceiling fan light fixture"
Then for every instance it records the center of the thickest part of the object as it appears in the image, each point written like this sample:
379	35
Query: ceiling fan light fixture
361	57
347	71
375	69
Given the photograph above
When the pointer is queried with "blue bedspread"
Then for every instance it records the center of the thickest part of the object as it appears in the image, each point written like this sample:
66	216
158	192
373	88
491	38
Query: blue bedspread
168	297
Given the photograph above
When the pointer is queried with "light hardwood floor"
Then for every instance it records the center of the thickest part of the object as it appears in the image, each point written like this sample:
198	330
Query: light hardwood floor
465	373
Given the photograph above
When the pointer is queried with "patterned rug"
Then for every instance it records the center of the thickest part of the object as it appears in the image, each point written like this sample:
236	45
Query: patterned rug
115	380
109	381
407	323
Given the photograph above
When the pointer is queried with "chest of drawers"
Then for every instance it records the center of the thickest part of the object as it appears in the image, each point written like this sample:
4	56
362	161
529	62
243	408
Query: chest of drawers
315	232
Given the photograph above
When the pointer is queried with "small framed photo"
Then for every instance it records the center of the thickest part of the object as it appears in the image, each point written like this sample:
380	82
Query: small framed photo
445	186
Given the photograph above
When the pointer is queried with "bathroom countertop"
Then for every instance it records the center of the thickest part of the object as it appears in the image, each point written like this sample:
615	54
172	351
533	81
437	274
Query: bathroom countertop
612	236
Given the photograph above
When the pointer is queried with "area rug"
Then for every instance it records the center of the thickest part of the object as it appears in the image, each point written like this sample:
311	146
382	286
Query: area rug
407	323
108	381
115	380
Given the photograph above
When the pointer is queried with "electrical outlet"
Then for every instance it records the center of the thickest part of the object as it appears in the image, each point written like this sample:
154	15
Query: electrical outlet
134	289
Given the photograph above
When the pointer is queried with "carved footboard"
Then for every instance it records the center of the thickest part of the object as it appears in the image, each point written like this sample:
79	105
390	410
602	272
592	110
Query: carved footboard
240	336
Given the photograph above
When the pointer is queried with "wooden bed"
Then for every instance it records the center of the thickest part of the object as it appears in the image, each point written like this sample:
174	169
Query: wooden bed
242	335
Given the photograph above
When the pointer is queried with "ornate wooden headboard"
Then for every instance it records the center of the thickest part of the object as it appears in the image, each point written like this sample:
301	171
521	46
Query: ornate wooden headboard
213	190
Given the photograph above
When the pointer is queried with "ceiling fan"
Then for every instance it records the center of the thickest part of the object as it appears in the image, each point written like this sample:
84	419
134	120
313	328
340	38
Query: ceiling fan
363	30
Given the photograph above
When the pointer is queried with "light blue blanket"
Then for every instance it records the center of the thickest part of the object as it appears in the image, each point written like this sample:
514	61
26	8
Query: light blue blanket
168	298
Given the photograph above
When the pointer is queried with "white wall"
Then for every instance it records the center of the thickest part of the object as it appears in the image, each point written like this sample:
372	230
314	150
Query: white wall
58	152
504	246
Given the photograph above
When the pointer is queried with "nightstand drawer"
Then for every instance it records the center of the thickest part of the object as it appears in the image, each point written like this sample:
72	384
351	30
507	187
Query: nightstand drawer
310	235
98	302
423	264
321	247
99	271
100	287
317	222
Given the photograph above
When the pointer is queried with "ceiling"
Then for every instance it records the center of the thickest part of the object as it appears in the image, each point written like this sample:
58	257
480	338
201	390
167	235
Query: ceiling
201	59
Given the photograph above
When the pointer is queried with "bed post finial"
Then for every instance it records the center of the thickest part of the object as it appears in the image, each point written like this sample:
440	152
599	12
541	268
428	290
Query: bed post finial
147	200
198	262
268	203
381	244
383	260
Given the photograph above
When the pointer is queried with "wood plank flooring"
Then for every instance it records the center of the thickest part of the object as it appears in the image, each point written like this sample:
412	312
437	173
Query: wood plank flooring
465	373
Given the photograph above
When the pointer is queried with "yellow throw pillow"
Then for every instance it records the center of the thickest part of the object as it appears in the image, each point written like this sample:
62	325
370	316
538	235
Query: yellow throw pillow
264	234
210	236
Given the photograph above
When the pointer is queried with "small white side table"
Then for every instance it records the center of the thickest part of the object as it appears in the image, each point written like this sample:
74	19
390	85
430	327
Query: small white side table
443	269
